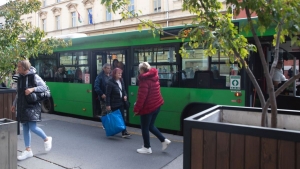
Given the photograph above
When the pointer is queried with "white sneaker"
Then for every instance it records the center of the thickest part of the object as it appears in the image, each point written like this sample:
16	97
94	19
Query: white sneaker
144	150
165	144
25	154
48	144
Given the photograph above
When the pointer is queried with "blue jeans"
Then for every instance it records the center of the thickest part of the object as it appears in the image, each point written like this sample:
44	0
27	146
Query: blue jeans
31	125
147	124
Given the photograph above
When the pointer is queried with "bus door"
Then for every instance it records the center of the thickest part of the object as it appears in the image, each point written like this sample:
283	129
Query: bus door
117	59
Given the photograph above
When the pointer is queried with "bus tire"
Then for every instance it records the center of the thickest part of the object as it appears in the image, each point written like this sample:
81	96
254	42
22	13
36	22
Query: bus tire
47	106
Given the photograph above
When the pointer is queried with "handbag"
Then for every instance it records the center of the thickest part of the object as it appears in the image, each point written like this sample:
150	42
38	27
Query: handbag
35	97
113	123
126	104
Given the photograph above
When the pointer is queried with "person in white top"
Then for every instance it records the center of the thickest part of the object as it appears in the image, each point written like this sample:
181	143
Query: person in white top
278	75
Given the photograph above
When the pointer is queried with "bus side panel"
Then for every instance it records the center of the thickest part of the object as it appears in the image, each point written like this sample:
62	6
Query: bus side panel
73	107
217	96
175	100
72	98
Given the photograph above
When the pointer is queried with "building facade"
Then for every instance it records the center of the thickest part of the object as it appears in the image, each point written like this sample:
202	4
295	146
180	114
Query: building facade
61	17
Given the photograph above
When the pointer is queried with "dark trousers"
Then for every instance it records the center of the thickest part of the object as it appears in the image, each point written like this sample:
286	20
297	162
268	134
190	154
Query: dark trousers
147	124
121	108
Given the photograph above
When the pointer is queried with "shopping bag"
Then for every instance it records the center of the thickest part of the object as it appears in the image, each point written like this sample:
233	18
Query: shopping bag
113	123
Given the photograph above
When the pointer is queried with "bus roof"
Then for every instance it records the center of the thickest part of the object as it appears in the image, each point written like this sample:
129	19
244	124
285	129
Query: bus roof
145	37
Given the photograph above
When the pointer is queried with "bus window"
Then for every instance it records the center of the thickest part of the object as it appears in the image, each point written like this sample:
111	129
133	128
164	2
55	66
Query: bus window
221	70
155	55
99	63
166	54
46	66
117	54
75	67
162	58
196	61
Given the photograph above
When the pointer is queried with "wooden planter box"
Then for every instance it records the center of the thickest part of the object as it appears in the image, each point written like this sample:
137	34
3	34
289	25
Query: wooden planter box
224	137
7	97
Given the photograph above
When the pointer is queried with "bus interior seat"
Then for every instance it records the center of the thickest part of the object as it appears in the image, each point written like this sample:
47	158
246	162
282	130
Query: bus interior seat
216	74
163	82
203	79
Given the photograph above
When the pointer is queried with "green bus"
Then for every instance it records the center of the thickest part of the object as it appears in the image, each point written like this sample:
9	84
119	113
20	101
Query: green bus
188	85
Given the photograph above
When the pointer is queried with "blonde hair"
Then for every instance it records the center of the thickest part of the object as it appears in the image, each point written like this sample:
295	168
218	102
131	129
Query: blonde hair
25	64
144	66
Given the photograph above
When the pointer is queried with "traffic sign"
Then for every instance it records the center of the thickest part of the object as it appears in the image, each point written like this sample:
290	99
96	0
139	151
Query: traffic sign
235	82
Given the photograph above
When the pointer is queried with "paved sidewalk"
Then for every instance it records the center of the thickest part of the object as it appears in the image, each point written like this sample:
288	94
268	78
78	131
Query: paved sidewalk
82	144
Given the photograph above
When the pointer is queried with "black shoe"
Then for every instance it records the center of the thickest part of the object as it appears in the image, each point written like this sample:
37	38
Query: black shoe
125	134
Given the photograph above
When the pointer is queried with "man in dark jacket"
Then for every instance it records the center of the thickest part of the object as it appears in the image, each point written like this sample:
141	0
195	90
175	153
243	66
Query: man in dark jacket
100	86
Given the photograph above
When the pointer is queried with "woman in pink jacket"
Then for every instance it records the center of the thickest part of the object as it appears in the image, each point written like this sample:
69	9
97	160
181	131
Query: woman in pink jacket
148	104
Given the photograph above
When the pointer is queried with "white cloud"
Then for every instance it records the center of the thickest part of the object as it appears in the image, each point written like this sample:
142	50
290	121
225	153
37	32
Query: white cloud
2	2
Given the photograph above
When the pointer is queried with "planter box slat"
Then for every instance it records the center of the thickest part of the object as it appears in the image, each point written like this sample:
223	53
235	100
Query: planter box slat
209	149
223	143
298	155
6	101
268	153
9	104
252	152
197	151
1	106
286	154
237	150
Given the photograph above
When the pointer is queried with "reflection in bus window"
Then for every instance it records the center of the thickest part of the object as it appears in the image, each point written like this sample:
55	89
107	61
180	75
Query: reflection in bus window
75	67
155	55
99	63
161	58
115	54
196	61
45	66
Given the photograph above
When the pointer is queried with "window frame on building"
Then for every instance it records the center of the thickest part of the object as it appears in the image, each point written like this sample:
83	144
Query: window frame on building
44	24
90	11
108	15
157	5
131	6
44	3
58	1
73	19
57	21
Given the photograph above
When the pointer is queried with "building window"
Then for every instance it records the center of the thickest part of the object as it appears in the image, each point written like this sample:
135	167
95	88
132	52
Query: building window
108	15
57	19
57	1
90	15
44	3
131	6
157	5
1	25
73	19
44	24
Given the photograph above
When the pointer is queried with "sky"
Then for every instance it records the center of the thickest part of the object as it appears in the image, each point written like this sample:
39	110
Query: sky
2	2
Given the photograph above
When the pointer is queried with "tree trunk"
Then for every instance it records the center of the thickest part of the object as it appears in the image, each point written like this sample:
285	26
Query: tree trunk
270	85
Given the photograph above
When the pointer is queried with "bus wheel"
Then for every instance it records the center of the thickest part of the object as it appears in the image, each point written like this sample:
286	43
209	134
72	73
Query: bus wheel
47	106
